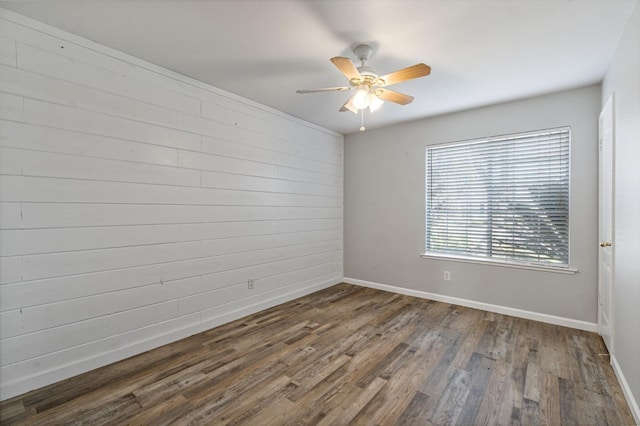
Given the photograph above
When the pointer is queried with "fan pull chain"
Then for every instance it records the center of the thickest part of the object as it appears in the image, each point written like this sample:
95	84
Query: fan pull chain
362	128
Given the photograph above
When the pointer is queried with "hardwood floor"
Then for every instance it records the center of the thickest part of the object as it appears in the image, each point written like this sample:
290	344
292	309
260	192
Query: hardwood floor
349	355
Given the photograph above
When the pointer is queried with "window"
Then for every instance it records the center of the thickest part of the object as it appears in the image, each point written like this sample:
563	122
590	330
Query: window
503	198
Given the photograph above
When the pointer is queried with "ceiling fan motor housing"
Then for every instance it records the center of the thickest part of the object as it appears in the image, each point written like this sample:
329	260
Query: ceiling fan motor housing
367	71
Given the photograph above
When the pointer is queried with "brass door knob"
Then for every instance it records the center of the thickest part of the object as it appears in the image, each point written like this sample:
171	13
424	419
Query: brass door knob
603	244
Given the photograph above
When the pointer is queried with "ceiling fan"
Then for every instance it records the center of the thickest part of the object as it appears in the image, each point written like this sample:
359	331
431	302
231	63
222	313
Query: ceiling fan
370	88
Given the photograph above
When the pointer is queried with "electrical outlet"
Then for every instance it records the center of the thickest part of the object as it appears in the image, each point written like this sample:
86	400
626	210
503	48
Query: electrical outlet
251	284
447	275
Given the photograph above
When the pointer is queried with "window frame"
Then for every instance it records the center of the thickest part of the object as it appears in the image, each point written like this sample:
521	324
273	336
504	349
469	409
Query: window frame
511	263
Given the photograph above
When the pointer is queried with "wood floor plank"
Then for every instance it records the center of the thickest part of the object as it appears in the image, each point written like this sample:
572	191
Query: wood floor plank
453	397
207	404
494	395
382	364
470	344
553	356
348	355
530	413
147	367
549	399
164	413
398	392
480	367
517	360
416	413
120	387
353	403
111	411
245	408
532	382
275	414
322	399
568	404
308	379
12	411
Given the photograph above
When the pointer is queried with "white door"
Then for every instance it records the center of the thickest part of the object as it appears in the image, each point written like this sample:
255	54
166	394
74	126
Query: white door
606	206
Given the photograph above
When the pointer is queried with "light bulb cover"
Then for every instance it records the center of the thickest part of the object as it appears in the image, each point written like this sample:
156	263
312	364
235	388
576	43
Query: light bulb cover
361	98
349	106
374	102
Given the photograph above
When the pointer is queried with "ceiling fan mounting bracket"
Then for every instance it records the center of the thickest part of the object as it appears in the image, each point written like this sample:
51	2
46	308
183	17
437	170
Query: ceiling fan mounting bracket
362	52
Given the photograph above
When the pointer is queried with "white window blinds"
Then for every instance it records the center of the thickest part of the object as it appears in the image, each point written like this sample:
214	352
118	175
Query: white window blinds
503	198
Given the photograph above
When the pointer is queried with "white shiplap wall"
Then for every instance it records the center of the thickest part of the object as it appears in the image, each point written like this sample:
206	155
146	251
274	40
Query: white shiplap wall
135	204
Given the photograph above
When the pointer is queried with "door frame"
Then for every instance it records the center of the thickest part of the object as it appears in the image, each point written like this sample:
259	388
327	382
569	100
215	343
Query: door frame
609	110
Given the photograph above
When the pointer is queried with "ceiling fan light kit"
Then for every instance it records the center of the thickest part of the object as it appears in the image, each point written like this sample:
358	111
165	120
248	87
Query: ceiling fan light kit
361	98
374	101
369	86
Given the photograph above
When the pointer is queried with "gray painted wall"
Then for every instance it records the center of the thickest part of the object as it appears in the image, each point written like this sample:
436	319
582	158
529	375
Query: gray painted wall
623	78
384	207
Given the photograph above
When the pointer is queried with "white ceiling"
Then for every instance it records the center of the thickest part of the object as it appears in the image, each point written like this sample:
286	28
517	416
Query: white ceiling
481	51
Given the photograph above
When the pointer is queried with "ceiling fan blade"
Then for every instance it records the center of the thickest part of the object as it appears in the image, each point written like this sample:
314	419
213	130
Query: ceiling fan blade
348	106
346	67
391	96
414	71
326	89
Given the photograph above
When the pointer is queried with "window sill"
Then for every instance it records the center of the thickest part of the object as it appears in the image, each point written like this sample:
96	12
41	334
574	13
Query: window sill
491	262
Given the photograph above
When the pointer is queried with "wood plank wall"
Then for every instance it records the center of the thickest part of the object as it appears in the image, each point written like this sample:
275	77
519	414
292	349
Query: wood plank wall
136	203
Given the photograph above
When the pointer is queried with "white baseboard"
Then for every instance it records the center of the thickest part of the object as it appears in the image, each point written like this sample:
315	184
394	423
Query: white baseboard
633	403
26	384
505	310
